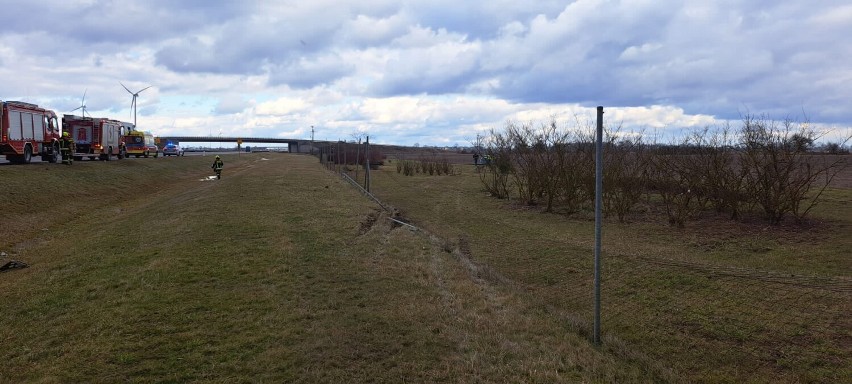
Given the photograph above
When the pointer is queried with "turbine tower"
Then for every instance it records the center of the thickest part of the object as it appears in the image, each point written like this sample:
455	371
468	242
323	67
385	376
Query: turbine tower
133	103
82	106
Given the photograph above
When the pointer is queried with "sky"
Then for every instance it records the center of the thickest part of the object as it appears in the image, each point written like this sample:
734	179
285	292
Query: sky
436	72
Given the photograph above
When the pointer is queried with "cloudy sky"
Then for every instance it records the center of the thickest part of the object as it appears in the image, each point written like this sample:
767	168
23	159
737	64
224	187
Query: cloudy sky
432	72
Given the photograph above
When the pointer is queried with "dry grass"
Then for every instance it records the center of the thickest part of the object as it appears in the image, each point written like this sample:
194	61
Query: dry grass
716	301
278	272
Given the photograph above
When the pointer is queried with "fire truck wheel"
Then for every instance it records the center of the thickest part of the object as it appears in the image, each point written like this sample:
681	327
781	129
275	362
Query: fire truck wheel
28	154
54	157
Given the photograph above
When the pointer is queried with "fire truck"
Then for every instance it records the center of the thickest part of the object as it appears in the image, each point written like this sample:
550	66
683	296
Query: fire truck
141	143
26	130
95	137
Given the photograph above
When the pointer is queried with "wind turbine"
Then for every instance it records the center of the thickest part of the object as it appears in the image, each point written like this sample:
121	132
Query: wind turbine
82	106
133	103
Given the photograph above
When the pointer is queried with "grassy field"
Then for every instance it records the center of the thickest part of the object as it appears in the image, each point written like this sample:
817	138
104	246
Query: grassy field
141	270
718	301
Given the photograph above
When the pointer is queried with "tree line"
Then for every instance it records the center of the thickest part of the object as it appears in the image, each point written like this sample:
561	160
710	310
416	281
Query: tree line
763	166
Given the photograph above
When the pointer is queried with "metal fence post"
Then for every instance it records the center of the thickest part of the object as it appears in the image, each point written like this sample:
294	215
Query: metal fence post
598	208
358	160
367	162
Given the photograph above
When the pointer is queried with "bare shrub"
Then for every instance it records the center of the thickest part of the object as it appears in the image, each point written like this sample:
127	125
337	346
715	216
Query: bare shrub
408	167
835	149
721	176
573	172
781	175
522	150
764	164
498	166
549	140
670	175
625	164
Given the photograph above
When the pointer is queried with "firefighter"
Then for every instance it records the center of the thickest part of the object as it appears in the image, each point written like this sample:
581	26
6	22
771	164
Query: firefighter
67	148
217	166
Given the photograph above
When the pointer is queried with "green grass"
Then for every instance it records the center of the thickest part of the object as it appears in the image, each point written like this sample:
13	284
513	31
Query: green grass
140	272
716	301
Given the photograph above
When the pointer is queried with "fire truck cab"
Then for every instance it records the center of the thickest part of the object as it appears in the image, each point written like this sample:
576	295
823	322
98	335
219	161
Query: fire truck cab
95	137
27	130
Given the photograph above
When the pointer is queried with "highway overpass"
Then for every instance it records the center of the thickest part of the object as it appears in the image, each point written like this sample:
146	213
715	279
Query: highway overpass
293	145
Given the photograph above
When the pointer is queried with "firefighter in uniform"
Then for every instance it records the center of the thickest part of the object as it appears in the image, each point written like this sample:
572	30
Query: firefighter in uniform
217	166
67	148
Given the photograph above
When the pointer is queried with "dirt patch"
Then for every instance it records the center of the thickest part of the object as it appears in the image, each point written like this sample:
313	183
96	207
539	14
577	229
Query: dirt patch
369	221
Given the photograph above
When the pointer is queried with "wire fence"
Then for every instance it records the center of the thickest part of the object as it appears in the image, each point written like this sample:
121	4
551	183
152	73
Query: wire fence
707	315
685	320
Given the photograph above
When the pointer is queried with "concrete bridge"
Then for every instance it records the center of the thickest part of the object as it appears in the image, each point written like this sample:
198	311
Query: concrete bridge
293	145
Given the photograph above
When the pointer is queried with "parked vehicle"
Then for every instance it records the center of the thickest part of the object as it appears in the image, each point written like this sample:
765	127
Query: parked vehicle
95	137
27	130
140	143
172	150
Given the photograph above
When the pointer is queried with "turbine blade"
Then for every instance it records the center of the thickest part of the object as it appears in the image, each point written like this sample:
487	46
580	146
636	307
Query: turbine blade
125	88
140	91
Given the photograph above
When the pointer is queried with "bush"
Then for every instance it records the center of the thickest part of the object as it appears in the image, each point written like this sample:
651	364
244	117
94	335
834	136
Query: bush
765	164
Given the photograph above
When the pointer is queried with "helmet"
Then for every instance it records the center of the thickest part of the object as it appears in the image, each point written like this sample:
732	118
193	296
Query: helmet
65	134
217	157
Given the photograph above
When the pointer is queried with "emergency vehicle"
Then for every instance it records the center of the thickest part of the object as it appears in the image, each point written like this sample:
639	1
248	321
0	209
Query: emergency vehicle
26	130
140	143
95	137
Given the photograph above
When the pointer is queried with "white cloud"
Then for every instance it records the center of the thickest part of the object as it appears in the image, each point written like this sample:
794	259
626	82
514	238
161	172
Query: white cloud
281	106
232	104
420	71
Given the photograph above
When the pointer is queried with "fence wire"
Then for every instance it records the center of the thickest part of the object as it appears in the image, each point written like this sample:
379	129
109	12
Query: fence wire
689	321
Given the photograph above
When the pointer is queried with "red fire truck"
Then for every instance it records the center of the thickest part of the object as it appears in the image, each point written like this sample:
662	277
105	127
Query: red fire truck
95	137
26	130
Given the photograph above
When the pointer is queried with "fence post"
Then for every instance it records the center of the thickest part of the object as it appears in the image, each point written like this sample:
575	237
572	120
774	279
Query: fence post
358	160
367	161
598	208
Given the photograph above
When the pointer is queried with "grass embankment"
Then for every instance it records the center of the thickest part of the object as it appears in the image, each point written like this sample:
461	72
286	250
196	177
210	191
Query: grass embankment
718	301
140	271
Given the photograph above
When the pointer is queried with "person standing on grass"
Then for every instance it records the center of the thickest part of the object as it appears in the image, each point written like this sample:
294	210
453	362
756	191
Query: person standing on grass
217	166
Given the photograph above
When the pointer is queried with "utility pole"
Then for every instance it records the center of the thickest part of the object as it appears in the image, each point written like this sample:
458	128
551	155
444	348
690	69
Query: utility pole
312	140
